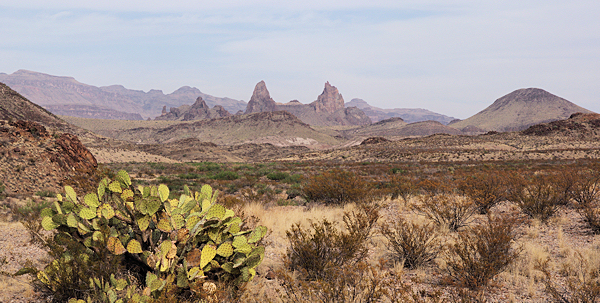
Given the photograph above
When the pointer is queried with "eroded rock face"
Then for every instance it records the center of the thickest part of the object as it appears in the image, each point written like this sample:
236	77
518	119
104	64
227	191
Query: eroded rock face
329	101
32	159
261	100
197	111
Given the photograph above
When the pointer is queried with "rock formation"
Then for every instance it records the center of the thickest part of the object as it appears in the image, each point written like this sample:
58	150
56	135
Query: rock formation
261	100
197	111
329	101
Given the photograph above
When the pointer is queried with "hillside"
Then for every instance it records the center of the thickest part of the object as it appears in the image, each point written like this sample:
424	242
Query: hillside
409	115
521	109
69	97
278	128
396	128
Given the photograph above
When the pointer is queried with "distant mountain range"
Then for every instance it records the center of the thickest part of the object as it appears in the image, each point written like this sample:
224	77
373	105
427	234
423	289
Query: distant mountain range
409	115
66	96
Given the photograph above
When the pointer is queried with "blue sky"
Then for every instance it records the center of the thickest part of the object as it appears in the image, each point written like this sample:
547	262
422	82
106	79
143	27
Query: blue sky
451	57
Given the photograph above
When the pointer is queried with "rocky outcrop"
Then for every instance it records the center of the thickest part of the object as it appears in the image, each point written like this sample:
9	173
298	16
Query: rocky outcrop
330	101
32	159
90	111
198	111
261	100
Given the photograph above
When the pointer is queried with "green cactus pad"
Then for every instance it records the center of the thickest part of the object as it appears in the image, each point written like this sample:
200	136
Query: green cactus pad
71	220
97	236
253	261
134	247
82	228
258	233
102	187
216	211
163	192
245	249
225	250
205	205
48	224
70	192
195	272
143	222
152	205
228	214
91	200
208	253
178	221
57	207
188	206
245	274
123	176
239	241
47	212
164	225
87	213
165	247
107	211
192	220
115	187
68	206
126	194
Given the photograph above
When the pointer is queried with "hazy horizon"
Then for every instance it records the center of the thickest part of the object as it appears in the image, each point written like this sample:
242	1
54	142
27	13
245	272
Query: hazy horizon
451	57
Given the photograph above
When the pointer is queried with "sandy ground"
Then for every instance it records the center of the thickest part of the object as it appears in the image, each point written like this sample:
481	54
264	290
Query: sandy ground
112	155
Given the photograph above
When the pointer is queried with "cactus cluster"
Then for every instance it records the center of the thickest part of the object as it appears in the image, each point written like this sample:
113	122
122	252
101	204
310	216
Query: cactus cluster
180	241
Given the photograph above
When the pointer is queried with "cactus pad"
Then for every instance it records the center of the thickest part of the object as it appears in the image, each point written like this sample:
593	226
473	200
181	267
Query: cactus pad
127	194
143	222
258	233
163	192
70	192
216	211
91	200
48	223
107	211
208	253
164	225
115	187
134	247
225	250
115	246
87	213
71	220
178	221
239	241
123	176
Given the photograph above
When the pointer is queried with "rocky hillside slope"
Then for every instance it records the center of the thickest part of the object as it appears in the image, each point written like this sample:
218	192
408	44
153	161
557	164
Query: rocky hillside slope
279	128
521	109
198	111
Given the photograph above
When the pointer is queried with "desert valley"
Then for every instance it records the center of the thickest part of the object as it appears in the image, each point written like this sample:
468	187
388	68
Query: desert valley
335	201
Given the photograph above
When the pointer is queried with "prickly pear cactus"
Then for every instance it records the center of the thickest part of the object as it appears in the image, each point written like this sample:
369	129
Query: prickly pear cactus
180	240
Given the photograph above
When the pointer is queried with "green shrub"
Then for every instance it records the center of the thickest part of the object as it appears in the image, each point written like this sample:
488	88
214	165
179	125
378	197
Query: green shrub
336	187
482	252
226	175
319	250
45	193
169	246
401	186
278	176
413	244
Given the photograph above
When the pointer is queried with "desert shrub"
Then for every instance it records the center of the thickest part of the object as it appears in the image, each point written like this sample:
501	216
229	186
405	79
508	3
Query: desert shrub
583	288
485	189
412	243
586	193
226	175
2	190
45	193
537	196
351	283
207	166
566	182
401	186
278	176
166	247
336	187
189	176
318	250
482	252
446	209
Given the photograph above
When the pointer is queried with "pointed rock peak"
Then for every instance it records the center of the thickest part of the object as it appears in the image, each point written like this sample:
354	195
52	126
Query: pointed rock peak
200	103
330	100
261	100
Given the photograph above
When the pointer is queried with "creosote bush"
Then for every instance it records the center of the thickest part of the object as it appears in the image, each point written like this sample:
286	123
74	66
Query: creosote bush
318	250
485	189
538	196
336	187
446	209
412	243
482	252
119	244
